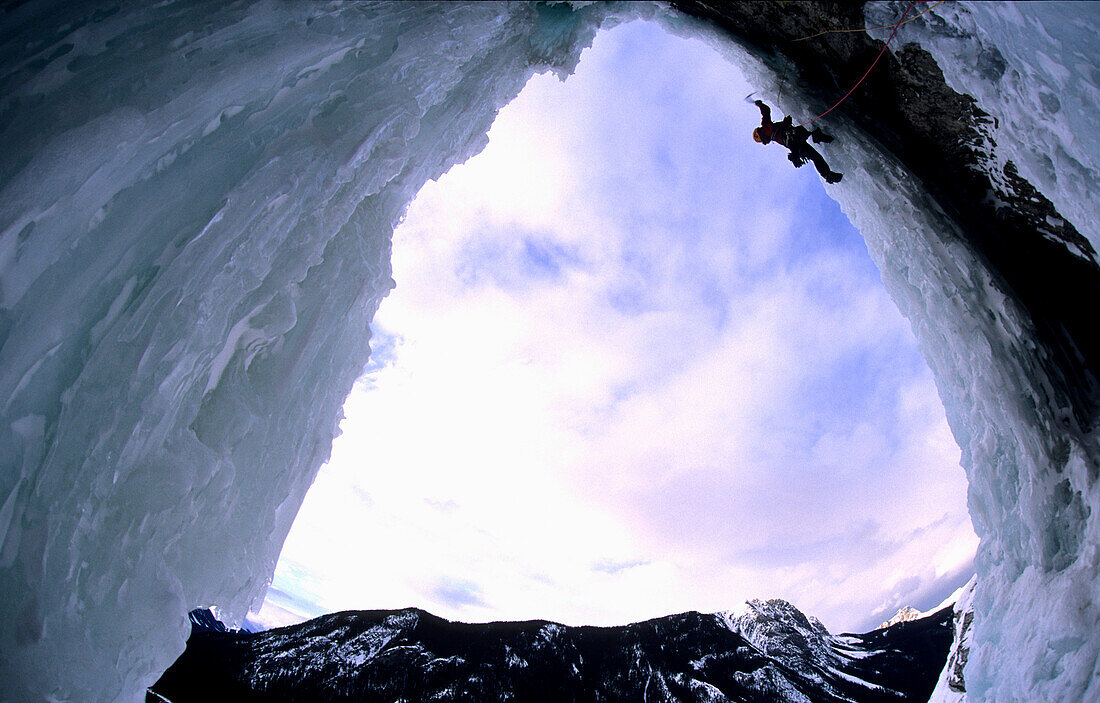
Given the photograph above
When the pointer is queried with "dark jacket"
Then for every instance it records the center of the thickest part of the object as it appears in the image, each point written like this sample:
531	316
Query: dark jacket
774	131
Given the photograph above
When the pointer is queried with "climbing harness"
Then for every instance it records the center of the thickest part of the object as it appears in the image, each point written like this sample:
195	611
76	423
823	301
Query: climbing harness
868	72
871	29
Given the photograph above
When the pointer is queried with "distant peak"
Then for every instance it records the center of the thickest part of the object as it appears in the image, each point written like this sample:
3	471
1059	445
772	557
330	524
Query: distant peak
904	615
771	606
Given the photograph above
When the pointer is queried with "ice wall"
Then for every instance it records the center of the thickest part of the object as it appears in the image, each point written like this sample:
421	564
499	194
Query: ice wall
1033	465
1032	474
1033	470
1034	66
196	202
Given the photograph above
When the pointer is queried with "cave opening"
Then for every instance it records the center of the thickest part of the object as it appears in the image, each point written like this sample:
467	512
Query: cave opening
635	364
196	208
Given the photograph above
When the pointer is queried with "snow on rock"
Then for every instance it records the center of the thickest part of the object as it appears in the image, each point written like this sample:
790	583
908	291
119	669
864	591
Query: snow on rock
684	658
778	629
801	644
951	686
904	615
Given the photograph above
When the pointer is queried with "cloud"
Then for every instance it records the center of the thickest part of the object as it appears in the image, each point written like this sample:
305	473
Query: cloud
610	566
517	259
458	594
443	506
634	364
281	609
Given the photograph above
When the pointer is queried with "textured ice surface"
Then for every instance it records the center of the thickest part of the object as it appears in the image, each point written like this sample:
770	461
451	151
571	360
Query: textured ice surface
196	205
1030	482
1035	67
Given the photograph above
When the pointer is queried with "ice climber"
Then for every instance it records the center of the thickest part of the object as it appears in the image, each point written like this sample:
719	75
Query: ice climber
794	138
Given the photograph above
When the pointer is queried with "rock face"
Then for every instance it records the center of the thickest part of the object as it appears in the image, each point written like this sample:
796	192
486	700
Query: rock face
951	687
944	138
204	621
772	653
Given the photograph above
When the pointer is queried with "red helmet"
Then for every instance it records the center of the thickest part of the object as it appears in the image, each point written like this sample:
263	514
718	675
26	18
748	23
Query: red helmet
756	135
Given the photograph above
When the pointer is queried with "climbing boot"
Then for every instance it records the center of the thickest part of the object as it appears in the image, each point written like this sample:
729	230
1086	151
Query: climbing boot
820	137
833	177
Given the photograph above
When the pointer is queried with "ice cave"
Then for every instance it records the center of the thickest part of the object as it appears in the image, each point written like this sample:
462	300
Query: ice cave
196	203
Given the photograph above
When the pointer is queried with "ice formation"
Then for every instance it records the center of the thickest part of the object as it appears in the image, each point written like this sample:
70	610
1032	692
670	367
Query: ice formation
196	203
196	208
1033	472
1033	65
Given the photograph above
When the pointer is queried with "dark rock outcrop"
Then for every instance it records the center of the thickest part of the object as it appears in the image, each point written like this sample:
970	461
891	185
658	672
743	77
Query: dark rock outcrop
1035	256
772	654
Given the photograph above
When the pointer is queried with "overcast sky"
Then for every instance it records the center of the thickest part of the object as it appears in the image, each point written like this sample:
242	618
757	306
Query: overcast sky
635	364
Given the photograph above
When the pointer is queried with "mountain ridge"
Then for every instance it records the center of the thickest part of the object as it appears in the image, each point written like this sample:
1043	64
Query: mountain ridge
771	652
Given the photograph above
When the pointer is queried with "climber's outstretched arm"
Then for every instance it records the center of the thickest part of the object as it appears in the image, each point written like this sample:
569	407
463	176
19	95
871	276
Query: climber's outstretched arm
765	112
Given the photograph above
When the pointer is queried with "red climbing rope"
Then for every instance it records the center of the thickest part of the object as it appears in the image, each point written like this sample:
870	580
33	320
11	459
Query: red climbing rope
900	22
870	29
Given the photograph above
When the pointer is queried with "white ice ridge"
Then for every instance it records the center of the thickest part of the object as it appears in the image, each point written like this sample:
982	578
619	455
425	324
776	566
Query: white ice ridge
196	205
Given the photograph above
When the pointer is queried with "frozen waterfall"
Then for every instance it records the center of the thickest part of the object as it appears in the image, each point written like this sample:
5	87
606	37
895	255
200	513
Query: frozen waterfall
196	211
196	203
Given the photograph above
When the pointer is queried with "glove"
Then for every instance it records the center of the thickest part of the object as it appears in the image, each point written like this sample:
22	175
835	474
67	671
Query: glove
798	161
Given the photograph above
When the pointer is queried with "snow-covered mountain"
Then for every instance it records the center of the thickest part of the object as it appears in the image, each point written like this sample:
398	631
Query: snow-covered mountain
904	615
771	652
